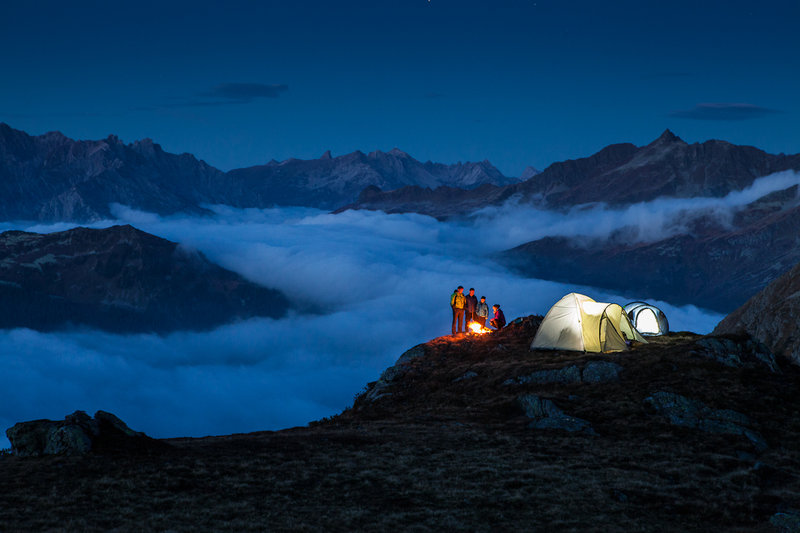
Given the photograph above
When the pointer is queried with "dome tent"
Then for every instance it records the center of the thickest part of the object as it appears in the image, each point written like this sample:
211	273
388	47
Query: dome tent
578	323
647	318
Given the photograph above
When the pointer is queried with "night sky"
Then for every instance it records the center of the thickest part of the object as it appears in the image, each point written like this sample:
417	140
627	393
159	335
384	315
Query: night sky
516	82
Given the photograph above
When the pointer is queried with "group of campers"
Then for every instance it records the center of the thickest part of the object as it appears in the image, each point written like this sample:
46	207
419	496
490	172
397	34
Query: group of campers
466	309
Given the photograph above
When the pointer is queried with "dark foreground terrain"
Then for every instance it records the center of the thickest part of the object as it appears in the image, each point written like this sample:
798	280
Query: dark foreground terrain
687	433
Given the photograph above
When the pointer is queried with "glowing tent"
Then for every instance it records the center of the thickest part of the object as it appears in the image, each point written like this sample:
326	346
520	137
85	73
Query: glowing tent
648	319
576	322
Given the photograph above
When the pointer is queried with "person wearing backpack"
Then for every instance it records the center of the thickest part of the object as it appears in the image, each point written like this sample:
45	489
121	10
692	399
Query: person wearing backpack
457	303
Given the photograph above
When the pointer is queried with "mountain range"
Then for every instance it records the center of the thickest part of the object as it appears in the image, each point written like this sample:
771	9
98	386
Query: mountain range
120	279
618	174
710	264
717	266
53	178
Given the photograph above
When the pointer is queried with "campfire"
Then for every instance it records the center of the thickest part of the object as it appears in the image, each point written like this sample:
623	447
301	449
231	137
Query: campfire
476	328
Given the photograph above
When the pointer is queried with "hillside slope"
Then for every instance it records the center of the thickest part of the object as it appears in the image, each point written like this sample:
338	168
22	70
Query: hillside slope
686	433
771	316
710	265
120	279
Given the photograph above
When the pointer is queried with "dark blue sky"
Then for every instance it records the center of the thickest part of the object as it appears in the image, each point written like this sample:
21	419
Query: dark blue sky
516	82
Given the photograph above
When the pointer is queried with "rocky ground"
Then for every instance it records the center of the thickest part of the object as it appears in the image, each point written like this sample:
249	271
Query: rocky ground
686	433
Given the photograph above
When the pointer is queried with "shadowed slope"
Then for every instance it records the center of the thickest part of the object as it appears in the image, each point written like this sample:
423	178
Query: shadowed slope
120	279
687	434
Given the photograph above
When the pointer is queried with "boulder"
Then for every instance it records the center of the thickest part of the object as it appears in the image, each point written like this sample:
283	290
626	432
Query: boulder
469	374
600	371
377	389
593	372
682	411
788	522
737	354
562	376
546	415
77	434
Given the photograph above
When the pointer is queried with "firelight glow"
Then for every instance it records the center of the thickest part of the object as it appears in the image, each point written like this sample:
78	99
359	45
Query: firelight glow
478	329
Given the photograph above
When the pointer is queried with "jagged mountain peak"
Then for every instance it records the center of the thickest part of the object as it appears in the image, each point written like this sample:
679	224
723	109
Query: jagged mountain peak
528	173
667	137
326	156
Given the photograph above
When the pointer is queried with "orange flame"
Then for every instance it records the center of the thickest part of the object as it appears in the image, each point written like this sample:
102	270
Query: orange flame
477	328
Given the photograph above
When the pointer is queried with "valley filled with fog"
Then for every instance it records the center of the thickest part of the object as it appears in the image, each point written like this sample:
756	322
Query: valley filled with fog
365	286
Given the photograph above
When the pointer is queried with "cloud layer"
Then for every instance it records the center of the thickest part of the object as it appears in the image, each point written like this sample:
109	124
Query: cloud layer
378	284
724	111
514	224
246	92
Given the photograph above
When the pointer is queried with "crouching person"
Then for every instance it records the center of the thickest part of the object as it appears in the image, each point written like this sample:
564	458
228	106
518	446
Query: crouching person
499	319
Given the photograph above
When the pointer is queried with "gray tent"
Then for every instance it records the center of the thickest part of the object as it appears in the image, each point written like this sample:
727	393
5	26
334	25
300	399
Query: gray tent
647	318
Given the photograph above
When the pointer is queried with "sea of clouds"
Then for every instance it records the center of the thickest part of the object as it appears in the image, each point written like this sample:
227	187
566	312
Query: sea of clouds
365	287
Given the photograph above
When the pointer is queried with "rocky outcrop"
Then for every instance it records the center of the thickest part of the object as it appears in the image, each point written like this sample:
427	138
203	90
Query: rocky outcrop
77	434
788	522
120	279
746	353
682	411
772	316
562	376
601	372
546	415
593	372
51	177
378	389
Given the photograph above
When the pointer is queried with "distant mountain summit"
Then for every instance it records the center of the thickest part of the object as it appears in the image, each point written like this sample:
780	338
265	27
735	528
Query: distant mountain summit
667	167
528	173
53	178
120	279
330	182
616	175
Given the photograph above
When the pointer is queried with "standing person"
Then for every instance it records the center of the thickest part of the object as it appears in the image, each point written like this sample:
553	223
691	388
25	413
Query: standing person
470	308
482	312
499	319
457	303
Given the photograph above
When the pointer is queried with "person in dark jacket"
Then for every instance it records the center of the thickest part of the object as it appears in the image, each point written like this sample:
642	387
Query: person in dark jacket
482	312
499	319
457	304
471	308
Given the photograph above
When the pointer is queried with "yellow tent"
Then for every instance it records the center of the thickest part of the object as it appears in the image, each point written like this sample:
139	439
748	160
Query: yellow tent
576	322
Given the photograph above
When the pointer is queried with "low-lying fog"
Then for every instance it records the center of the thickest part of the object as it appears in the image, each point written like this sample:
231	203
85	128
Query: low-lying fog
381	284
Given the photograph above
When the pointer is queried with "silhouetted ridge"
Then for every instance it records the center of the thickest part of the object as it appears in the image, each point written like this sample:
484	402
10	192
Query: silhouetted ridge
120	279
